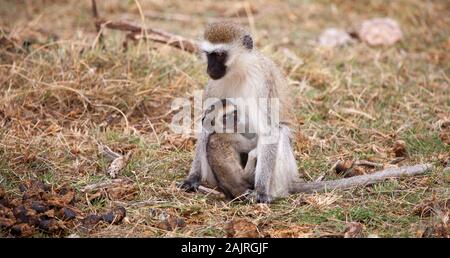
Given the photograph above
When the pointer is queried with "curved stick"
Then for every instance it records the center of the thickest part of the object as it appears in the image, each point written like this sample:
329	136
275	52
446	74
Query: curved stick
363	180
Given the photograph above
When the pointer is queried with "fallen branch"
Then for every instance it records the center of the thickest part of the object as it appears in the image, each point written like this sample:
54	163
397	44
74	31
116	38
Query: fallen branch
367	163
206	190
96	17
363	180
108	184
189	18
136	32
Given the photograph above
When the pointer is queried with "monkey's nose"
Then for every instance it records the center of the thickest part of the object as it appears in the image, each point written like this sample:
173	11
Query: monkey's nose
215	74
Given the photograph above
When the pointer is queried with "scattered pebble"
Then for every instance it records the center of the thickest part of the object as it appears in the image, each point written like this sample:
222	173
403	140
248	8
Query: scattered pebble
380	31
48	210
333	37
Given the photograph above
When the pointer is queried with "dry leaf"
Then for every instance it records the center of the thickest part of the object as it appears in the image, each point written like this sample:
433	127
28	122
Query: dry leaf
170	222
431	206
116	189
354	230
445	136
118	164
290	232
343	167
399	149
241	228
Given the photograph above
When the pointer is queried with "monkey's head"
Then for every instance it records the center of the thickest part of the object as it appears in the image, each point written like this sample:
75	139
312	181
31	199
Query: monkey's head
224	44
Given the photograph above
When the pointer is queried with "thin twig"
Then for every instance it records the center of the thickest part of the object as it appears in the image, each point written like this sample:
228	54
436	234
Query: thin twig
206	190
178	17
367	163
156	35
107	184
96	17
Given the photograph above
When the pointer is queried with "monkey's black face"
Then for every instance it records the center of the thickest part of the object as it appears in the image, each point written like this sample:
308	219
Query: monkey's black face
216	64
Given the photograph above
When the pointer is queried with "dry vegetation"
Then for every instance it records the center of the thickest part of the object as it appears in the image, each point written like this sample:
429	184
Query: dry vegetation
63	93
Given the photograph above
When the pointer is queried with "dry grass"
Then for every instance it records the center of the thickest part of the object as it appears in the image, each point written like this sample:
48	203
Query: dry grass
64	94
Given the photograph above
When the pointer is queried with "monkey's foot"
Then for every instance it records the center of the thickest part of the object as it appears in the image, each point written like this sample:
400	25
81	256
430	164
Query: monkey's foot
253	197
263	198
248	196
188	185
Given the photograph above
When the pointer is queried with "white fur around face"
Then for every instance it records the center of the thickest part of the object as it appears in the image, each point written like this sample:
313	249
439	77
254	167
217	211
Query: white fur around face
209	47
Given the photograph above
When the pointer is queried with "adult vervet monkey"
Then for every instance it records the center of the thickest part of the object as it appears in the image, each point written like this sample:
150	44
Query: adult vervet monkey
237	71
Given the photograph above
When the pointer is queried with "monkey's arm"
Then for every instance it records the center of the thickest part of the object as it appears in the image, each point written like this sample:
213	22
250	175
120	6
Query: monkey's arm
194	177
406	171
249	170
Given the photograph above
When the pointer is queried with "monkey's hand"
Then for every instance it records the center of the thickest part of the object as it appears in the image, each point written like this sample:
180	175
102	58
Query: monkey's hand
189	185
253	197
263	198
249	196
192	181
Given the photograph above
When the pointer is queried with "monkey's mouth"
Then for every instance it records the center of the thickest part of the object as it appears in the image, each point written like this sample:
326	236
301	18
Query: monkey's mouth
216	74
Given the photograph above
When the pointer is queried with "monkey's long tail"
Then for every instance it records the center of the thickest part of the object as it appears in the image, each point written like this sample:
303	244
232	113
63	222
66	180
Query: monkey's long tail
363	180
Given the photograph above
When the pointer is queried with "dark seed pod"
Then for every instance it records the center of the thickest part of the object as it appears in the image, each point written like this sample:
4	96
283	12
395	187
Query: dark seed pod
23	187
49	225
68	213
39	206
23	230
6	223
25	215
91	220
115	216
2	193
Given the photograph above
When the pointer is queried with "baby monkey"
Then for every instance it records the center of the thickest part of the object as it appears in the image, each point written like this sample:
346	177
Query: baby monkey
232	155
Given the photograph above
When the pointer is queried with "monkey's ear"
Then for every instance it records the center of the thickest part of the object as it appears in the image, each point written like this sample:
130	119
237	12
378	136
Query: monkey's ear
248	42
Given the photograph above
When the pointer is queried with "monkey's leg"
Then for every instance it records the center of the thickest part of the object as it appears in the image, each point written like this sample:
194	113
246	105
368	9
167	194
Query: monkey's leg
267	155
225	163
249	170
276	168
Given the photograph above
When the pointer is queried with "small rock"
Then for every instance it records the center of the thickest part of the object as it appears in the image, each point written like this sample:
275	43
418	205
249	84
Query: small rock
380	31
333	37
